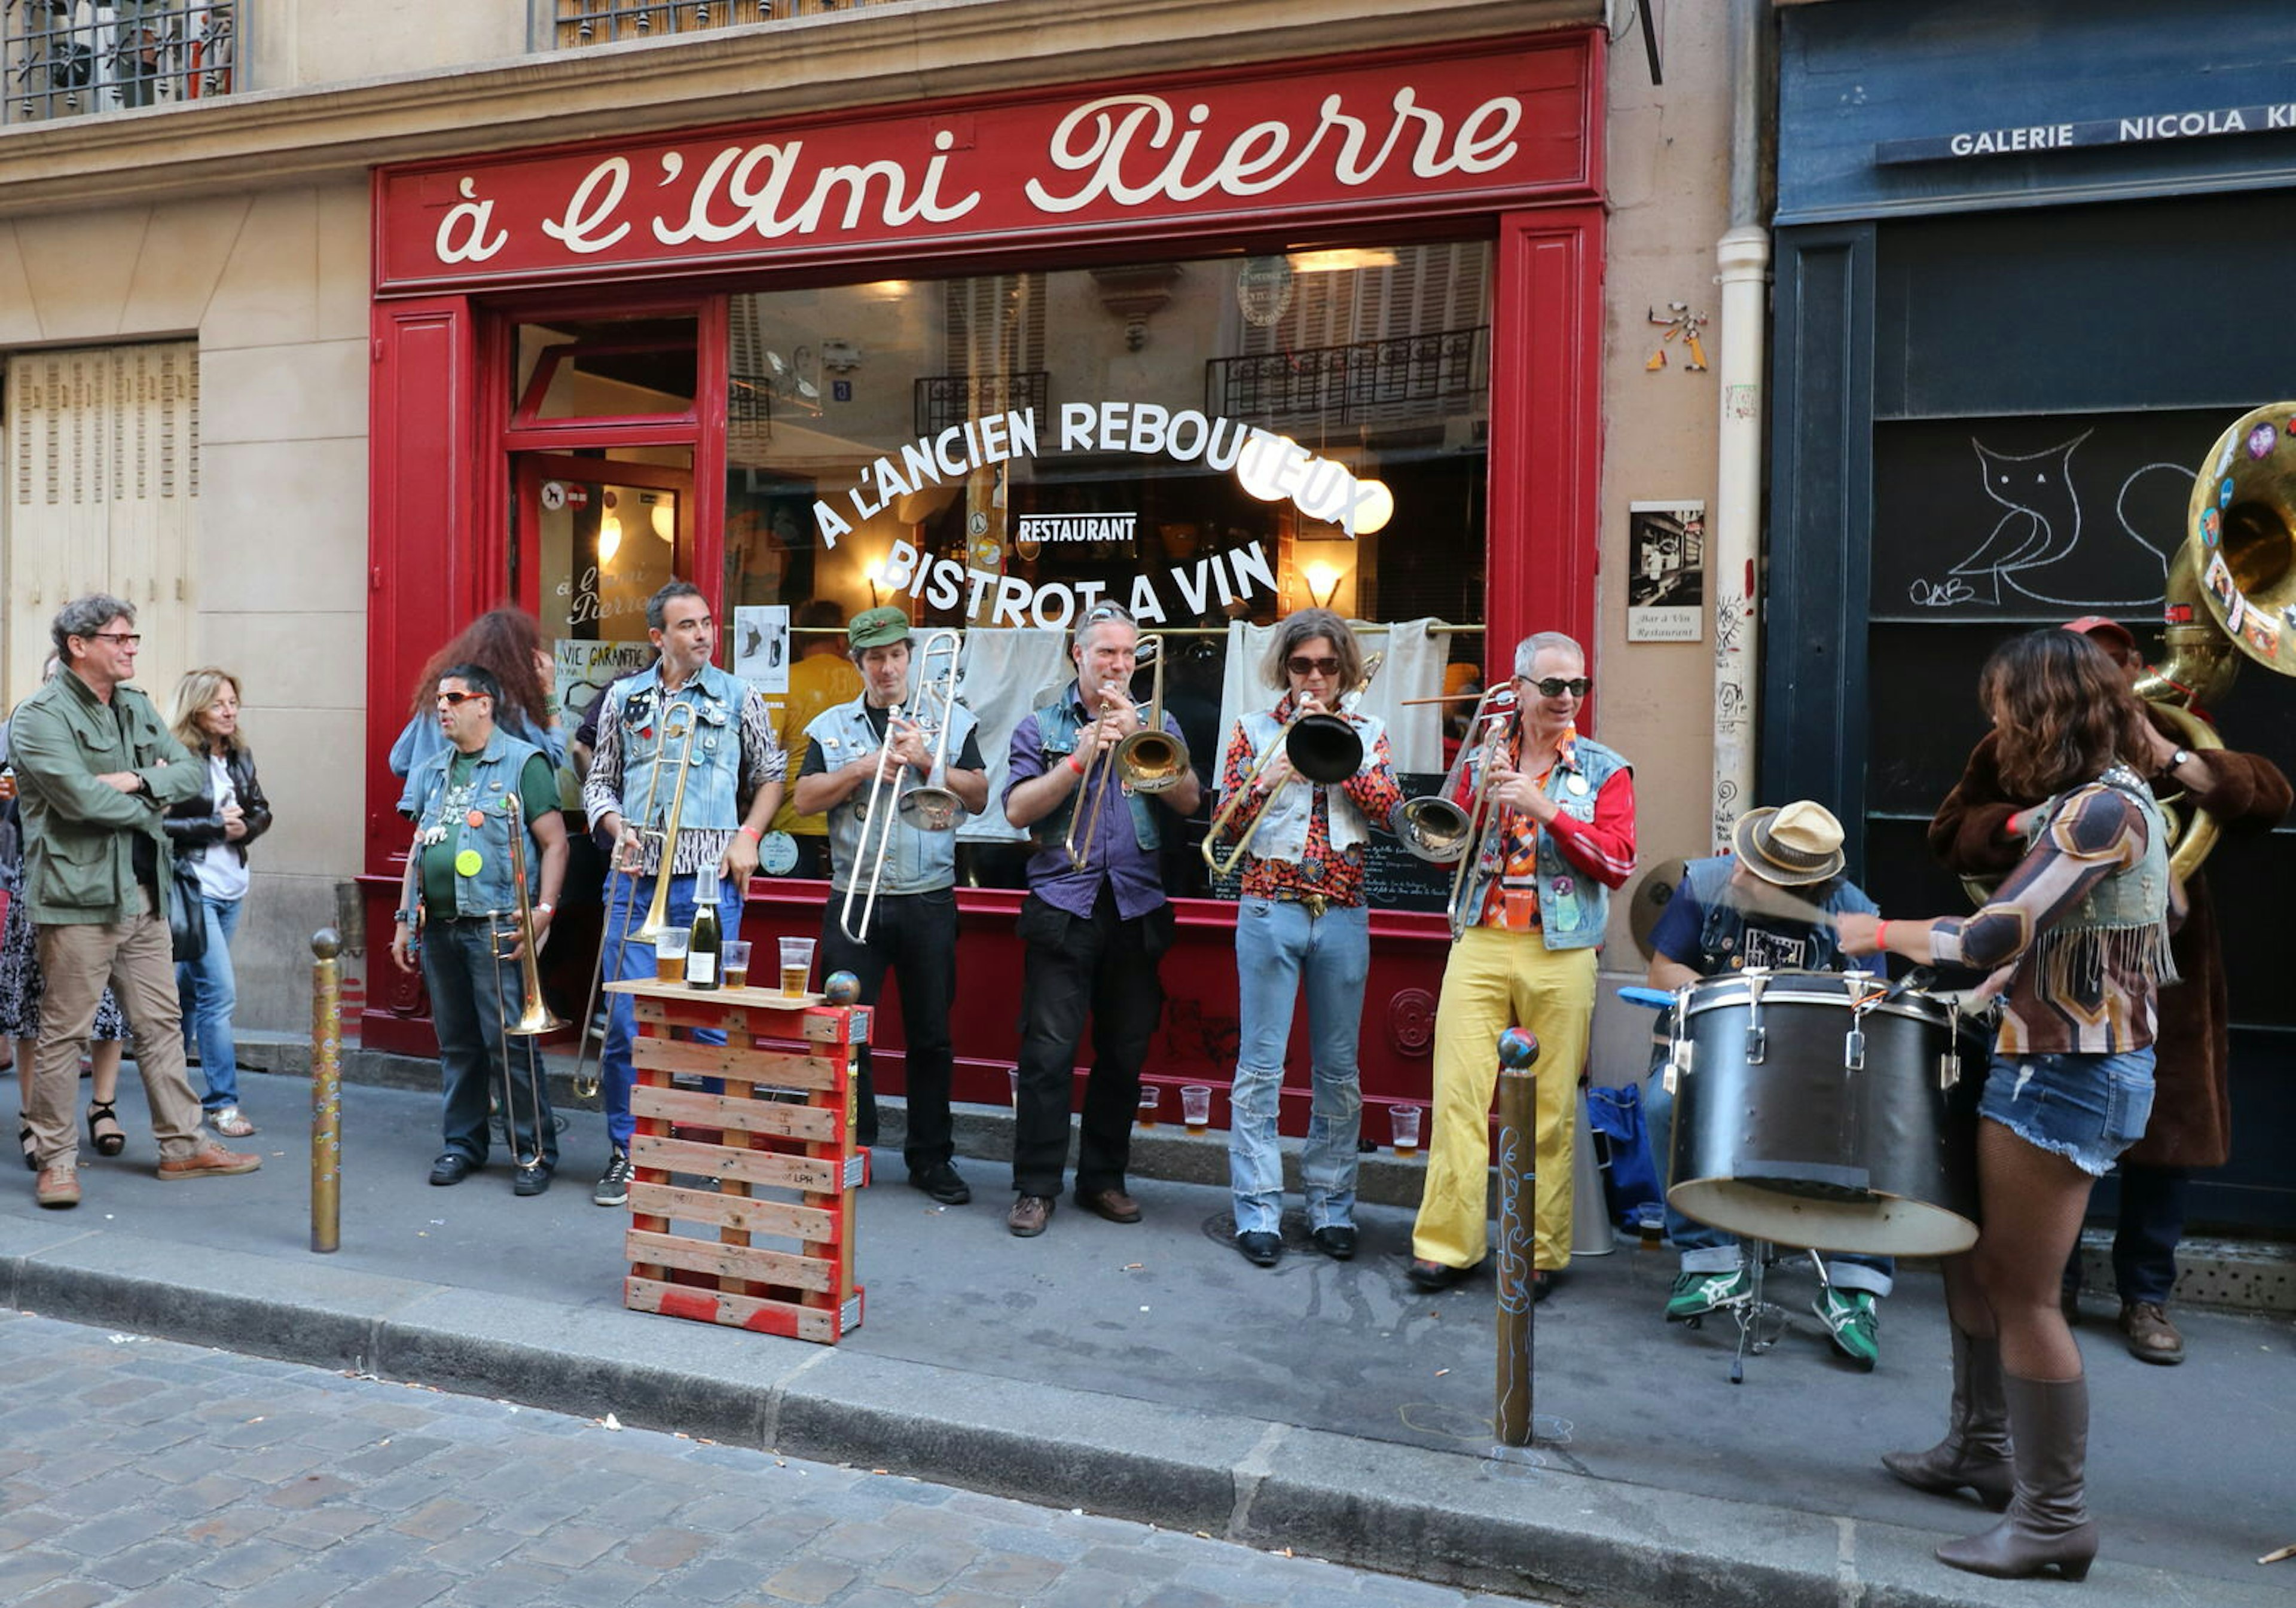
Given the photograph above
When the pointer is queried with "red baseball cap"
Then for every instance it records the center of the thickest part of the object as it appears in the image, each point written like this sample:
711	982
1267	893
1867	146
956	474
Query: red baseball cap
2097	625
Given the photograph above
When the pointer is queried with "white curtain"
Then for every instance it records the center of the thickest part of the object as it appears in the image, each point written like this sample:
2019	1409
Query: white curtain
1000	679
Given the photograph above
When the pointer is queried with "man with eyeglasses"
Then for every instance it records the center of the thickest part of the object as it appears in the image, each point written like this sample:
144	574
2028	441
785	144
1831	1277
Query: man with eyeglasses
733	767
1095	924
458	908
1558	836
96	770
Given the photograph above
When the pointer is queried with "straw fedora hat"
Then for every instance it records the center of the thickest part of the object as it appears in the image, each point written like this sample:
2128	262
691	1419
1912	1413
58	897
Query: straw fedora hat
1797	843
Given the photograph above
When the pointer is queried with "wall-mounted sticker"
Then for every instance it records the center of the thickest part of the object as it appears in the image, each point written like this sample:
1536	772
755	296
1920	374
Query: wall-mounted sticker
1666	590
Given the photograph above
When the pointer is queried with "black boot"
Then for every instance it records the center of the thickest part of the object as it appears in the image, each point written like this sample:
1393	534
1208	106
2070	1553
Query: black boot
1974	1455
2047	1524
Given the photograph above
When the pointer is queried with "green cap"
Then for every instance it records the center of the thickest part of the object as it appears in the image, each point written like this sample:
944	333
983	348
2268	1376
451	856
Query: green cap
877	628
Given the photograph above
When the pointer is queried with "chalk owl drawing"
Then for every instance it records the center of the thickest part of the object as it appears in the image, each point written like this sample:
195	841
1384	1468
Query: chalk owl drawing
2036	547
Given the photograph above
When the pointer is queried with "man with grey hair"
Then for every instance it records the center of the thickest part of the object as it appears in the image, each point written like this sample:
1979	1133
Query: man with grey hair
96	768
1095	924
1559	835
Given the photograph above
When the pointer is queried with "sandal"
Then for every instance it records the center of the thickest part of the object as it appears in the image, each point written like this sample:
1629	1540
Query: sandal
31	1147
106	1144
229	1123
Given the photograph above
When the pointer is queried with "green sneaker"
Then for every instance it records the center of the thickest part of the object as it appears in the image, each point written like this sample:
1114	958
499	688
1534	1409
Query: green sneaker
1695	1294
1855	1327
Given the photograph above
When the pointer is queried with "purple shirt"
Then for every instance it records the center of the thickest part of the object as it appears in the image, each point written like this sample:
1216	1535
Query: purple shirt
1117	861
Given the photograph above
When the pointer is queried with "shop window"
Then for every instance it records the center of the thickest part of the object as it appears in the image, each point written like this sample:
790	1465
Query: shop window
101	465
626	369
59	59
994	452
579	22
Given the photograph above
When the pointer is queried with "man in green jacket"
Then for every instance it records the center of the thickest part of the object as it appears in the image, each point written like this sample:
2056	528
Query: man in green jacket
96	769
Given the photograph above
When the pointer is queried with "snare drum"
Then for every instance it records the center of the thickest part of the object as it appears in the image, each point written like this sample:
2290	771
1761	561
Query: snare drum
1809	1110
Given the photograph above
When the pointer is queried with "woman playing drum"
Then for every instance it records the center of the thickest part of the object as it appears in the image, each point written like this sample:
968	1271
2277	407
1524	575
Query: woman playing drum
2077	939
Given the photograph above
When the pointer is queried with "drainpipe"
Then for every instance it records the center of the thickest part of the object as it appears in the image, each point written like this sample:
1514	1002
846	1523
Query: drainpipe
1741	356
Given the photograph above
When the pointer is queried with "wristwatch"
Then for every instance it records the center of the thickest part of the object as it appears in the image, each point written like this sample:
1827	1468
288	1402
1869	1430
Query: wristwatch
2177	761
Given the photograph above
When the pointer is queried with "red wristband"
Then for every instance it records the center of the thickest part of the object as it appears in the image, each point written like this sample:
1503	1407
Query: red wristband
1881	936
755	835
1074	766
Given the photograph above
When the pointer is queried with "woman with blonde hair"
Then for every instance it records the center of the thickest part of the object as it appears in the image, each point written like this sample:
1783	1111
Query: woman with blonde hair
210	836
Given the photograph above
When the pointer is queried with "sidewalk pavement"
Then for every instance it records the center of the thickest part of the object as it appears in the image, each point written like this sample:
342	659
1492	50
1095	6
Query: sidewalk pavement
1149	1372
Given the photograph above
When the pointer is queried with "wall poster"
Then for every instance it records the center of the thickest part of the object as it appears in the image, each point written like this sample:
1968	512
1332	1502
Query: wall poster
1666	583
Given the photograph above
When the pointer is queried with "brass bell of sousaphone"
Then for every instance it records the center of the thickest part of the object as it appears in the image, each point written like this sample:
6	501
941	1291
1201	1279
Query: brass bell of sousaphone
2231	592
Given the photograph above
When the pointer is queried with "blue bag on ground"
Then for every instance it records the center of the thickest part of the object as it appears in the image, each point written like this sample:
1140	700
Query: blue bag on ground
1616	1114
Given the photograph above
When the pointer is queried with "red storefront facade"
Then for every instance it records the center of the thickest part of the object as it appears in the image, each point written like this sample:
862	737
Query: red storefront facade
692	243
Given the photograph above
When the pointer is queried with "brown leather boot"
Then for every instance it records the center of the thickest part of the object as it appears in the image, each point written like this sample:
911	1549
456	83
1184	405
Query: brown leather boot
2047	1524
1974	1455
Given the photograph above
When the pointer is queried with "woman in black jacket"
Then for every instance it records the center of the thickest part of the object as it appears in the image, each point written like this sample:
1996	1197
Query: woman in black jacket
210	836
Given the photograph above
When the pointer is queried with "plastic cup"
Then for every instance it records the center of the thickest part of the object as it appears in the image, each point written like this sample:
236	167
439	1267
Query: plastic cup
1152	1098
737	963
1196	1107
670	957
1403	1122
797	964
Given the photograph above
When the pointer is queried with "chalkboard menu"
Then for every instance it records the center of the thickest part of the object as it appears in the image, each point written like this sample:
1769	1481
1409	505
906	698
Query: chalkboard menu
1394	877
2033	517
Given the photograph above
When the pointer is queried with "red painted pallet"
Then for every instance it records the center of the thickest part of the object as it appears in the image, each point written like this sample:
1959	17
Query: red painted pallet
784	1124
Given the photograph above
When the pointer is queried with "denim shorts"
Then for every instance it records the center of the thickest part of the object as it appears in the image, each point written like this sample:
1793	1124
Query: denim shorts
2088	1107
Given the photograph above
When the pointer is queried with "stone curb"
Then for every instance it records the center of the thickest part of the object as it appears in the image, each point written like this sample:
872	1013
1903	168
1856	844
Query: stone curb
1526	1527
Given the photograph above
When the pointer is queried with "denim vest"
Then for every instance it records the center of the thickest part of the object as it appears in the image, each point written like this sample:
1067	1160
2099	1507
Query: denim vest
1722	932
493	780
713	774
1572	905
1284	818
1057	725
919	863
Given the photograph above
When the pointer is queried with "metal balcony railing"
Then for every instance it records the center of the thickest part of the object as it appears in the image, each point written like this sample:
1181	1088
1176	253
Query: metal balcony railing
579	22
1410	377
943	400
69	59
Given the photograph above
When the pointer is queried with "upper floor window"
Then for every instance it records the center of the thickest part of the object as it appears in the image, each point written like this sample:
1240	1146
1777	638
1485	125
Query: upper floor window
579	22
70	58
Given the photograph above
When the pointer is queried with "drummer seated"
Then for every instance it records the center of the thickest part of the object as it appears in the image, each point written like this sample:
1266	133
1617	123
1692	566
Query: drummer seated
1762	906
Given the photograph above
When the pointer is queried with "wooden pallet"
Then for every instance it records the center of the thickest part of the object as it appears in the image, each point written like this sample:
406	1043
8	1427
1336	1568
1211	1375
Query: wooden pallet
753	1136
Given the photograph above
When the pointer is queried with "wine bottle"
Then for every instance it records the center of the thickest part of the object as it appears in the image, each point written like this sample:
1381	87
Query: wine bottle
703	942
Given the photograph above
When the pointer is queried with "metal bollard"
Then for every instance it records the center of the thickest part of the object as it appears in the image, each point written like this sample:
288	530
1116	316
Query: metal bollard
1518	1128
326	1092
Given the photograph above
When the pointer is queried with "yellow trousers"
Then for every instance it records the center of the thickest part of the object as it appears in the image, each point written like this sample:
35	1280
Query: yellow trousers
1496	980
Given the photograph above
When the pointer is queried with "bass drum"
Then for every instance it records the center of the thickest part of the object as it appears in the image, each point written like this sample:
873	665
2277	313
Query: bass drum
1809	1111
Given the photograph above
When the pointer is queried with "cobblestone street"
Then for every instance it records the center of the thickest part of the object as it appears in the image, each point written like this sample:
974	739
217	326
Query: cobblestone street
170	1476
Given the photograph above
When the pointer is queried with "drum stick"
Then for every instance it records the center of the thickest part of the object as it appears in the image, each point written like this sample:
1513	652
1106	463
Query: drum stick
1770	899
1448	697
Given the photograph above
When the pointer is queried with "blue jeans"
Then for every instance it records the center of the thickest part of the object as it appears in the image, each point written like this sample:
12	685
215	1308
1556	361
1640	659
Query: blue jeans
470	989
615	1076
210	992
1706	1249
1278	945
2087	1108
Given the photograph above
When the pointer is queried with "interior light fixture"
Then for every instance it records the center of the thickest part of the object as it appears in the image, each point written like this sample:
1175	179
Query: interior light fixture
1323	581
1341	258
610	537
1259	463
665	518
1374	507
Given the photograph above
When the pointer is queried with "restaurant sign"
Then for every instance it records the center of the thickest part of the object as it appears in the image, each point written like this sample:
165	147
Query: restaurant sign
1430	132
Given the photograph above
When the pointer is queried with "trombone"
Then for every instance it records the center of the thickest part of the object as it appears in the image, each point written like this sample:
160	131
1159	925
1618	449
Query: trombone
1434	828
931	807
1150	760
678	722
1323	747
535	1017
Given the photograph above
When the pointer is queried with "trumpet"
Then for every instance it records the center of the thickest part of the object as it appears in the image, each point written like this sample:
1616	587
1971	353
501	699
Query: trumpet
1325	748
678	721
930	808
535	1016
1150	760
1434	828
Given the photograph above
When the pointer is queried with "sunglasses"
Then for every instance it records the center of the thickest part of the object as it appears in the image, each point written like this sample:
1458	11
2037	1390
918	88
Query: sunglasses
1300	663
458	698
1555	686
